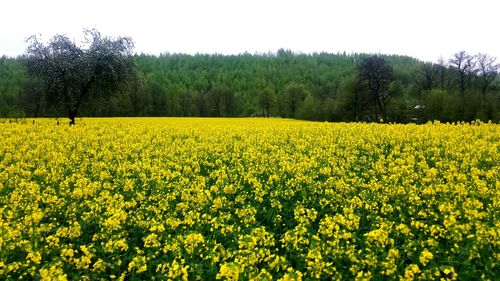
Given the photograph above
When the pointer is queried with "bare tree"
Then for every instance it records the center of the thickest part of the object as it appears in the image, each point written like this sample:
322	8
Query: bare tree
376	74
428	76
470	71
461	61
442	70
487	69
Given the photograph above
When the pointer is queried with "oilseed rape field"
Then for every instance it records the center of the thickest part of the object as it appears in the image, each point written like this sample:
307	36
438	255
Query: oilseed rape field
248	199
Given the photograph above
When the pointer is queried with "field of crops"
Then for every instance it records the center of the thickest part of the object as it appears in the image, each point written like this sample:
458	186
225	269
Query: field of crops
228	199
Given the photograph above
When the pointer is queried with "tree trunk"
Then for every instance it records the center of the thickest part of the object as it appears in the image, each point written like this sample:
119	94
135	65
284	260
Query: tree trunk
381	107
72	115
442	79
356	102
462	82
484	88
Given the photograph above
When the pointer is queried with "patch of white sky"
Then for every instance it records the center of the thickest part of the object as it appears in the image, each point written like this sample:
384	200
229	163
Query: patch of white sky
425	29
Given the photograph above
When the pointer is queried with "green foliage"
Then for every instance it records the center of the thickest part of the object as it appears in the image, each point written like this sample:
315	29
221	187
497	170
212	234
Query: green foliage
310	109
11	79
441	105
318	86
267	101
294	96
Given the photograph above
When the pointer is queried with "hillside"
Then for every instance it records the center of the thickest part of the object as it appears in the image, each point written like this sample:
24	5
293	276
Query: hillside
305	86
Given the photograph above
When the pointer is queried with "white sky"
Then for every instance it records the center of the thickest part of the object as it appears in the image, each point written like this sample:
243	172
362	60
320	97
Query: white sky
426	29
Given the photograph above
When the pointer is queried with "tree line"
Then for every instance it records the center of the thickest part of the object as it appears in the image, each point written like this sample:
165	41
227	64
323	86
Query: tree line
104	78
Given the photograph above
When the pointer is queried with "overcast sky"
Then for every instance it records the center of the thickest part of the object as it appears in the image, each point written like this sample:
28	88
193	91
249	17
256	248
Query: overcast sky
426	29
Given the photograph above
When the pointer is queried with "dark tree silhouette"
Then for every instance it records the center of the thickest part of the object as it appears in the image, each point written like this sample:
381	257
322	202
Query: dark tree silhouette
441	66
462	62
376	75
428	75
487	69
70	73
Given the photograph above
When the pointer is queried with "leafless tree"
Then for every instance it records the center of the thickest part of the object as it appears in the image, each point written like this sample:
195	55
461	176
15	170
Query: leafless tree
461	61
442	70
377	74
487	69
470	71
428	75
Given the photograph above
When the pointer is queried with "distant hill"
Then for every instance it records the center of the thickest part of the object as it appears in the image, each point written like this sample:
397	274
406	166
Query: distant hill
317	86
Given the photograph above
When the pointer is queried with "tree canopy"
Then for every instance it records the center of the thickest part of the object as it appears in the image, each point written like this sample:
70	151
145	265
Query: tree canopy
320	86
69	73
377	75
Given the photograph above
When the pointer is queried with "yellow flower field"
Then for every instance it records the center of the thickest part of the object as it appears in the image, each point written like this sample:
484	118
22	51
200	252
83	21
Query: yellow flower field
228	199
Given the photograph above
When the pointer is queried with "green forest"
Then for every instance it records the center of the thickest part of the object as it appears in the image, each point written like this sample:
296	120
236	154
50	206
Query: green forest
319	86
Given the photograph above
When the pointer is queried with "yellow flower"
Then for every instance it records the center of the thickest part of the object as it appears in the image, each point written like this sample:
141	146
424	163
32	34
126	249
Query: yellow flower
252	198
411	271
36	258
99	266
291	275
138	264
229	271
425	257
52	274
151	241
192	241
